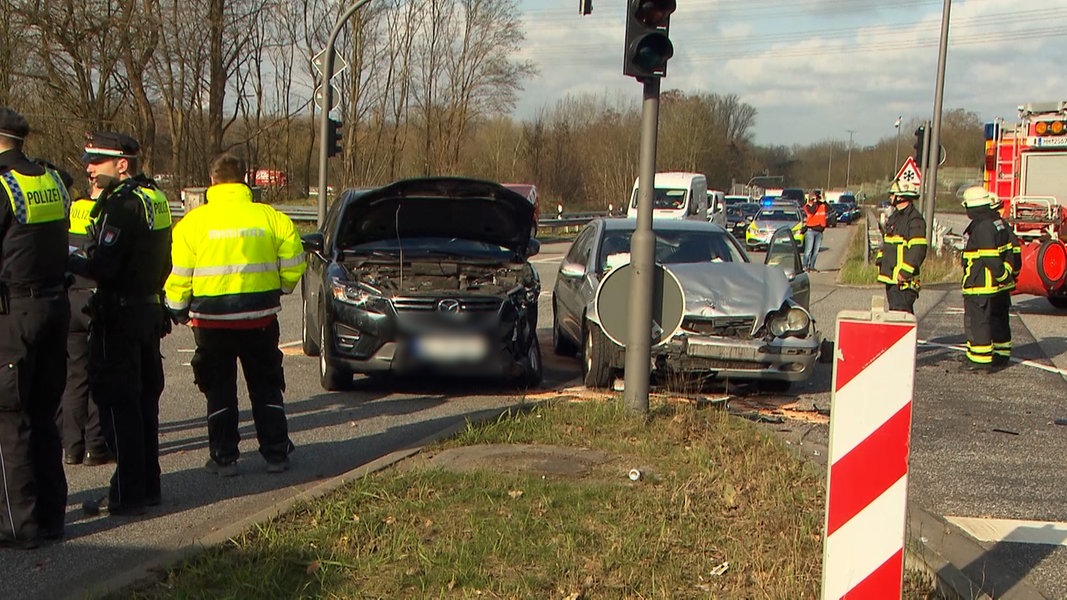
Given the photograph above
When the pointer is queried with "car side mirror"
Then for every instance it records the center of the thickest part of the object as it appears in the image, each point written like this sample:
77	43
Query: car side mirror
572	270
533	247
313	242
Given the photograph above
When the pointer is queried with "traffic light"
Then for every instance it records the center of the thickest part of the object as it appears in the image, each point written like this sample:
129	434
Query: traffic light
333	137
920	143
647	45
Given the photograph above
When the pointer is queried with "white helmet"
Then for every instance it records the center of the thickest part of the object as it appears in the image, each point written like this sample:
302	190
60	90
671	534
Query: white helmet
977	196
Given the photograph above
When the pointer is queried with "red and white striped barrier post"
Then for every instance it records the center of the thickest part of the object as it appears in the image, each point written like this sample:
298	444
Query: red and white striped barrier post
870	427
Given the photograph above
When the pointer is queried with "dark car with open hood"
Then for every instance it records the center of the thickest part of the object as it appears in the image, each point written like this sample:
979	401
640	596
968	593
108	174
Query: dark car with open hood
426	275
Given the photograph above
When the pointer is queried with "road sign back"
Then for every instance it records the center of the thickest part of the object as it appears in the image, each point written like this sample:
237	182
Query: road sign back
909	172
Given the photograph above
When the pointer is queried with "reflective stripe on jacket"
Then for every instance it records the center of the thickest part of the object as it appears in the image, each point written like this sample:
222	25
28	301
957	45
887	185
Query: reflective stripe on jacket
988	267
904	246
36	198
233	258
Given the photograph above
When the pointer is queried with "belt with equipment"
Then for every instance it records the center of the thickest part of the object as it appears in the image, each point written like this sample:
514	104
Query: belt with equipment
45	292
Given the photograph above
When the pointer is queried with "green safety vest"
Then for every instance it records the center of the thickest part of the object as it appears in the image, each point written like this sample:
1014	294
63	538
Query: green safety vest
156	208
79	216
36	198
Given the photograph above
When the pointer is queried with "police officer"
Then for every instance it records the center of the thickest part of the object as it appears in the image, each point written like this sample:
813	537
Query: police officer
34	314
233	259
128	255
990	264
83	439
903	248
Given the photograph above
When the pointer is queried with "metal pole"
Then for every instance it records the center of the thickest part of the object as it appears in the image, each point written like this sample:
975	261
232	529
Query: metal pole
829	163
848	168
327	101
934	147
924	160
643	260
896	153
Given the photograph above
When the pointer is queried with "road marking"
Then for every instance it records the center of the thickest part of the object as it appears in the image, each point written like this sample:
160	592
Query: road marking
547	259
290	344
1027	363
1051	533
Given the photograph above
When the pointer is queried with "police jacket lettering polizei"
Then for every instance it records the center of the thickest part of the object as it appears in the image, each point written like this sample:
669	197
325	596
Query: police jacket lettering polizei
34	222
78	233
129	249
255	254
903	248
990	260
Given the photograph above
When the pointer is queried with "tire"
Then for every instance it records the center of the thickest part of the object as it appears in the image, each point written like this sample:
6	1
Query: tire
332	378
597	372
534	369
308	341
561	346
774	386
1058	301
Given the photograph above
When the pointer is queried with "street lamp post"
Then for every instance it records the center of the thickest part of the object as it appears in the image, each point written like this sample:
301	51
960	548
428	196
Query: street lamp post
829	164
848	166
896	154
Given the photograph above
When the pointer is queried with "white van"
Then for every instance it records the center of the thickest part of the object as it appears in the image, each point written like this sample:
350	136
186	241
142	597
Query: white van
717	207
675	196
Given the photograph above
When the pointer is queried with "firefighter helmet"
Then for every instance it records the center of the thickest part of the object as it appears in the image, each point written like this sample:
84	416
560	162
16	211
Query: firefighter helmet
904	191
977	196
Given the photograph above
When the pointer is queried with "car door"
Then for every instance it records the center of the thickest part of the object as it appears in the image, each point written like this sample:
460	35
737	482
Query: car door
782	251
572	281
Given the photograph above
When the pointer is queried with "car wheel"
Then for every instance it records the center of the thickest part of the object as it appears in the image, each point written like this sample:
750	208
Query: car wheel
561	346
332	377
308	342
534	369
1058	301
775	386
596	370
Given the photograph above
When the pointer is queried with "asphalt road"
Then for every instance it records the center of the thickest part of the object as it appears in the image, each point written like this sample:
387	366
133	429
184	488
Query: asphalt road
961	463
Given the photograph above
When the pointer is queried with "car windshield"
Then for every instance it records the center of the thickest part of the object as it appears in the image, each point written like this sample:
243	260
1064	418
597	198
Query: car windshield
672	247
778	214
750	208
665	198
428	246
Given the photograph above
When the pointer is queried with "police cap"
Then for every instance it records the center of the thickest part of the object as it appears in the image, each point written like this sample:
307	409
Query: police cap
13	125
104	145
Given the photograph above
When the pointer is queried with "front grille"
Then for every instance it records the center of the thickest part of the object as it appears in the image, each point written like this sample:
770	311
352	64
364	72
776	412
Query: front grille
736	327
431	304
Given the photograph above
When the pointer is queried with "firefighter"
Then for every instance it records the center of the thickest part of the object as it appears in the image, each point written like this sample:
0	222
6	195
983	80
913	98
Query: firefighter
903	248
1011	254
84	442
34	315
814	225
128	256
233	259
989	267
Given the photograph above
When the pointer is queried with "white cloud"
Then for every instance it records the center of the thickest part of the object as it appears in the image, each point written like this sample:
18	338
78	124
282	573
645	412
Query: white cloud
816	69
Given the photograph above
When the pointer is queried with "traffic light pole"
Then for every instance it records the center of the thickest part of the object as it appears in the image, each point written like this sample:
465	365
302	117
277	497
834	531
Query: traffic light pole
643	260
327	101
935	138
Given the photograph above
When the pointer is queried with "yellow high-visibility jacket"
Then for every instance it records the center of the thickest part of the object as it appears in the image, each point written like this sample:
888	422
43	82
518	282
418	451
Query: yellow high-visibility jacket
233	258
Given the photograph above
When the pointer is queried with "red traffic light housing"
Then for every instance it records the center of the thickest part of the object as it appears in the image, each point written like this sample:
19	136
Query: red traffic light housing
333	137
647	47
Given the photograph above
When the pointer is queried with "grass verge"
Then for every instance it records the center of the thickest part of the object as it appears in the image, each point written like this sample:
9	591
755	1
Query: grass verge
856	271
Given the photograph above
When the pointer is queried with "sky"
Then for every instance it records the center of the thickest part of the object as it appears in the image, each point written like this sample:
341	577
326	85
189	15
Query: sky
813	69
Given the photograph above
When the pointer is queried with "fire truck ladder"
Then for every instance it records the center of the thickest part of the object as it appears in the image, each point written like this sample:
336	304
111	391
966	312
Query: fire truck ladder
1006	169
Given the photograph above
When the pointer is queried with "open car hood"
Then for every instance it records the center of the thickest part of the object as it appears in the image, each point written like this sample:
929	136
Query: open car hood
731	289
450	207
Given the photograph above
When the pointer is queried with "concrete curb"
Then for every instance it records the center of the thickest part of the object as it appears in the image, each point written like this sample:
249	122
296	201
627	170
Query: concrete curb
942	548
149	570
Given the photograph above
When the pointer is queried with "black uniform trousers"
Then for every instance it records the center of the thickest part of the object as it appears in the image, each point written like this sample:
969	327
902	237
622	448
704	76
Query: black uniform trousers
79	421
33	363
978	327
901	299
1000	327
126	380
215	372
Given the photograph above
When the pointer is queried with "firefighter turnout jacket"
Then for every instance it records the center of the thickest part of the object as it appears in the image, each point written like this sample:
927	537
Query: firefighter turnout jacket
991	256
904	247
233	258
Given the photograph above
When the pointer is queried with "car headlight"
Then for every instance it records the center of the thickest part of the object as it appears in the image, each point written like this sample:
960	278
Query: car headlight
351	293
791	321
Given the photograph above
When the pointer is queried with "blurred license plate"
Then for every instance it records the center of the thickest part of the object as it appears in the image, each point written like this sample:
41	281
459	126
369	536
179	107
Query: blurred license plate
706	350
452	348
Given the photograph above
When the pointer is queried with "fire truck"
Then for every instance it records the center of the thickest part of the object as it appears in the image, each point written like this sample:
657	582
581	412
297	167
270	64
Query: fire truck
1026	166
